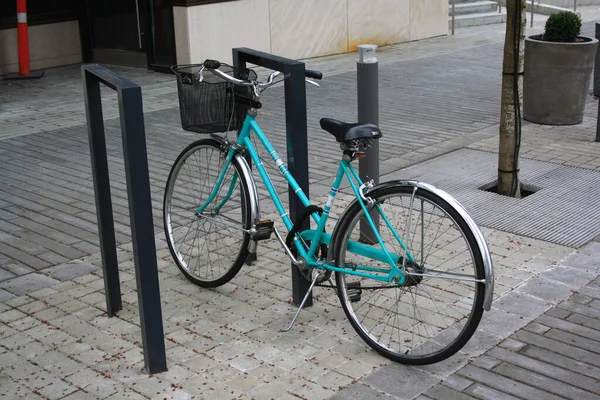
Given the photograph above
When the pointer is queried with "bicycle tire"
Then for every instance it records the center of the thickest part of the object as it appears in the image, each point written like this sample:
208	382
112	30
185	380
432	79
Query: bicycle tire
398	333
206	259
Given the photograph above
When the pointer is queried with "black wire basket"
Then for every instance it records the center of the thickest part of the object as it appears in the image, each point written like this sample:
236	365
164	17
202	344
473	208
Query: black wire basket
212	105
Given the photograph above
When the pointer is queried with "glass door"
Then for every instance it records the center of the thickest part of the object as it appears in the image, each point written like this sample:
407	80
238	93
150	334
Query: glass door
118	31
162	43
137	33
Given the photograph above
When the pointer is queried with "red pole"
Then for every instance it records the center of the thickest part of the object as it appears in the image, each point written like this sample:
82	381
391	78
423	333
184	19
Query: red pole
23	37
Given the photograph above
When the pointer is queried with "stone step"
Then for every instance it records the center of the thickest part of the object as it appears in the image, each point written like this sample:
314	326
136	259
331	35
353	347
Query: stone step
457	2
474	7
568	4
462	21
546	8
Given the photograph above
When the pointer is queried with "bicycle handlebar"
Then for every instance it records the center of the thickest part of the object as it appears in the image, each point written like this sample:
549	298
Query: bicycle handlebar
231	78
211	64
214	65
313	74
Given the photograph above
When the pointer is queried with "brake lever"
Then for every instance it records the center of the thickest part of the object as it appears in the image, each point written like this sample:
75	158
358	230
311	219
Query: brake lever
200	74
312	82
273	76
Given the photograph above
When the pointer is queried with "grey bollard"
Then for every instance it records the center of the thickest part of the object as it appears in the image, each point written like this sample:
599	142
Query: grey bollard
597	65
368	113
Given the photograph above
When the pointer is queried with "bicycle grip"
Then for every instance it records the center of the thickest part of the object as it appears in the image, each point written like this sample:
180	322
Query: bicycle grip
313	74
212	64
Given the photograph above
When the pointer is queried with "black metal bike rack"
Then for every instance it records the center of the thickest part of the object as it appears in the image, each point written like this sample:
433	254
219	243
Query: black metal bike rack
296	136
140	206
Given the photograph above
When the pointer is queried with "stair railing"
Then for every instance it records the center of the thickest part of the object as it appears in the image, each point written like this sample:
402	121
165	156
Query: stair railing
453	10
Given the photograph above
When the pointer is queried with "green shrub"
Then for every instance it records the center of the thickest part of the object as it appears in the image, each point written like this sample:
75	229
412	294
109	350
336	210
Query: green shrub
564	26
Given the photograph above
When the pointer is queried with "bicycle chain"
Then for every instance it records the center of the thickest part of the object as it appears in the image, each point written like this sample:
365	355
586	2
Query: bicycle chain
365	287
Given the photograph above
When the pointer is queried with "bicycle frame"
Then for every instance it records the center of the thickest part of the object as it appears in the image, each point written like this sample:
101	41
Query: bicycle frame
318	235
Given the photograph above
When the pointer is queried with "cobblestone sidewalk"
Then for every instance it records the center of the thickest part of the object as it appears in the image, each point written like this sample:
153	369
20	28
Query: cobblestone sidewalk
555	356
221	344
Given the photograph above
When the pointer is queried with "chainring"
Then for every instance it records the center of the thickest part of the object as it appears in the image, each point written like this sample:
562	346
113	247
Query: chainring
306	273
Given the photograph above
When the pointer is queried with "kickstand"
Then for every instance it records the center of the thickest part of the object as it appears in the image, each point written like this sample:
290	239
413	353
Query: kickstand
302	304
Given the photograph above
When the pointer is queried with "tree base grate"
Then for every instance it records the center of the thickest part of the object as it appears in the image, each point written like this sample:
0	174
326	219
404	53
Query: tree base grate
564	208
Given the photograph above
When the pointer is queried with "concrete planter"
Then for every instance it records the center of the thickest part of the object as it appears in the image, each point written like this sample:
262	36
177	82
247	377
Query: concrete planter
557	79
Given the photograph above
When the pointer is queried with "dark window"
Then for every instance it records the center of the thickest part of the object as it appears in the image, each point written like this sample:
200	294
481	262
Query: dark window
38	12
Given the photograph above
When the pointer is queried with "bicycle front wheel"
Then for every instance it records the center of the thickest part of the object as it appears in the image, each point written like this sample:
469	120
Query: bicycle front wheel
426	319
208	247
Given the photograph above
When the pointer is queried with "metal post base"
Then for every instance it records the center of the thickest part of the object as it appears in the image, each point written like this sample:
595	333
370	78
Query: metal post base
18	77
250	258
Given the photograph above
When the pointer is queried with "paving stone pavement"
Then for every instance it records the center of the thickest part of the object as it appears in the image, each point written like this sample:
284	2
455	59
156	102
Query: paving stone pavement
541	339
555	355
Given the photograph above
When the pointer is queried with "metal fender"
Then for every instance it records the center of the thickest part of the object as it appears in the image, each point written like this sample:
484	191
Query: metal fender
252	193
479	238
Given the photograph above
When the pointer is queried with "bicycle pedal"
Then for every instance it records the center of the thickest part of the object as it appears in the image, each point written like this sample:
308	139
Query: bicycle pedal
263	230
354	291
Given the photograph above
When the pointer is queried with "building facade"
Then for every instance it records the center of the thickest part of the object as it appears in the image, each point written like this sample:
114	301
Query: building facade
158	33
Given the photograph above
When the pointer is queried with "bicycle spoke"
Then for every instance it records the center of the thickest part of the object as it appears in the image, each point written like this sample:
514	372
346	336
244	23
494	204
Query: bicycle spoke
208	248
401	320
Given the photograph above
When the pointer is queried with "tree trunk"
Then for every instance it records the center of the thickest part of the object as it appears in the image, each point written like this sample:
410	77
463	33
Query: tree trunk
510	125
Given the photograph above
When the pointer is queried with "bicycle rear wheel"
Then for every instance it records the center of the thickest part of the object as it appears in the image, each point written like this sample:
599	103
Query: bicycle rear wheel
210	248
426	319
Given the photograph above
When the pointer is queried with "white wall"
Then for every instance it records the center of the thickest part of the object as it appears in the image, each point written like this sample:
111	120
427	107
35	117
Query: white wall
428	18
381	22
290	28
308	28
214	29
50	45
303	28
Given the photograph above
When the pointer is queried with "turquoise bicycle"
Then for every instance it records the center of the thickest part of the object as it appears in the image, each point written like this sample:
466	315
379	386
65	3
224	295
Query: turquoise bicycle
413	281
